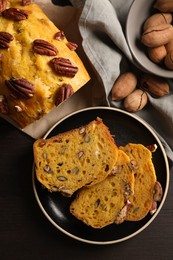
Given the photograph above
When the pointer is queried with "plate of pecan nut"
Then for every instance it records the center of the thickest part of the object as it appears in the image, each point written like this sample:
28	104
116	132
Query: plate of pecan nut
149	36
125	128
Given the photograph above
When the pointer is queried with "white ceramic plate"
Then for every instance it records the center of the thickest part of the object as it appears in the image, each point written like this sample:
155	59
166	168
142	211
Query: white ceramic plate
140	10
126	128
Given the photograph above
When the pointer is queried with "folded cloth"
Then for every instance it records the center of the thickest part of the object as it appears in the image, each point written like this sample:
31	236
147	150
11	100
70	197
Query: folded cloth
102	27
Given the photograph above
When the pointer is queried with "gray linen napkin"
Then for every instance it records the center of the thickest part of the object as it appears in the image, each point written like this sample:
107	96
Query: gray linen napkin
102	27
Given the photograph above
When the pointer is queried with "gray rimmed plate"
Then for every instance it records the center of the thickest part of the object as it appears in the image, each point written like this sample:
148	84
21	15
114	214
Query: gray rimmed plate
126	128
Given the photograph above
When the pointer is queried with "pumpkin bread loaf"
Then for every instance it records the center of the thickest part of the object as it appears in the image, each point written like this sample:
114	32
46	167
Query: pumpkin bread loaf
76	158
39	67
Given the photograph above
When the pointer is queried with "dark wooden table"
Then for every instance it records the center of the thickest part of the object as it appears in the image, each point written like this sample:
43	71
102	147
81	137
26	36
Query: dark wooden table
25	233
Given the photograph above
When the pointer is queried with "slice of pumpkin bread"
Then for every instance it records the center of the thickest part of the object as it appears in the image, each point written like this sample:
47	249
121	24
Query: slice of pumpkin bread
73	159
106	202
145	180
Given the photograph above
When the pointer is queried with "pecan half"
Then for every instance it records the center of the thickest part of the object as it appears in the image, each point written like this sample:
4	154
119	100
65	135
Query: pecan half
121	216
153	208
5	39
44	48
134	165
59	36
3	105
63	93
64	67
72	46
15	14
152	147
158	191
127	189
26	2
3	4
20	87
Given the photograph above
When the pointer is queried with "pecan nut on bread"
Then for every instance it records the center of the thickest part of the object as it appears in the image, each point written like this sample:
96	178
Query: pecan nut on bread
76	158
106	202
145	180
39	67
